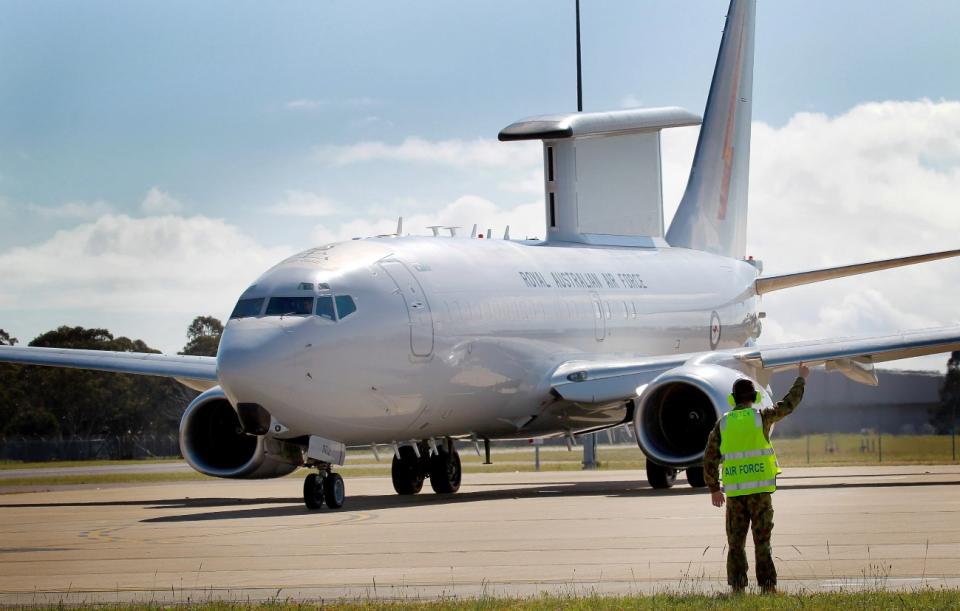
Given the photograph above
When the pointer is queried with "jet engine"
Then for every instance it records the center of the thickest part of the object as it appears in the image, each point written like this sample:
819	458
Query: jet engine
213	442
678	409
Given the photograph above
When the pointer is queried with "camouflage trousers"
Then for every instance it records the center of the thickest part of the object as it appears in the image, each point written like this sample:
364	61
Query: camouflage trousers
753	511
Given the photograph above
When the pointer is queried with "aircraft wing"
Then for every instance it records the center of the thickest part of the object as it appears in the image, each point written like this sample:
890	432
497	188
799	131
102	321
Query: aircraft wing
197	372
614	379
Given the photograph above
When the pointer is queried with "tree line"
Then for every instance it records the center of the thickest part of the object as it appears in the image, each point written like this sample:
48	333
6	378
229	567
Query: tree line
60	403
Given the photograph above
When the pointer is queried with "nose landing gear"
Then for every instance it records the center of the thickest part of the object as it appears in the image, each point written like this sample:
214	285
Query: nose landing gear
324	487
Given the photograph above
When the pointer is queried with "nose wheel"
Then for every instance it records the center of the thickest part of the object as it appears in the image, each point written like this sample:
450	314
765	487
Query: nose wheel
324	487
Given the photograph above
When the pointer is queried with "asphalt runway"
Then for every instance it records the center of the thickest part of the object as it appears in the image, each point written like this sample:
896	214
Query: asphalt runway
503	534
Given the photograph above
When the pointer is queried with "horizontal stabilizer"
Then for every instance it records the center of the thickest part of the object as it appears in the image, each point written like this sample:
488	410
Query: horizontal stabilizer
776	283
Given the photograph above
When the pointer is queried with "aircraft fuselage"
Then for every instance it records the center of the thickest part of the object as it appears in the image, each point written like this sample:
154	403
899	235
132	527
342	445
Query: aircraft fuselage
457	336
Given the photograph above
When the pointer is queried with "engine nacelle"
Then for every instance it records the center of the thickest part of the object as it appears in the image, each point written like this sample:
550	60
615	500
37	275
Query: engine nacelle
213	442
678	409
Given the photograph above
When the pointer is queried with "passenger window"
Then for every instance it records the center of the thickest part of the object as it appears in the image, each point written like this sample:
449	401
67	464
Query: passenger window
247	308
345	306
281	306
325	308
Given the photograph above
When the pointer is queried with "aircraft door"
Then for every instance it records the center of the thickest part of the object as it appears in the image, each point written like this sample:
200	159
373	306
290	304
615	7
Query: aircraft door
418	308
599	322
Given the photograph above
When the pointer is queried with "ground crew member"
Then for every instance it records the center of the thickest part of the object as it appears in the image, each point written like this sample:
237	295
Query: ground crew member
741	441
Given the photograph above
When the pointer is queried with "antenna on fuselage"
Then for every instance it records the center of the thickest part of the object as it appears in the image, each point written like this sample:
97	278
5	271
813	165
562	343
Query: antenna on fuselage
473	233
399	226
506	233
452	230
435	229
579	72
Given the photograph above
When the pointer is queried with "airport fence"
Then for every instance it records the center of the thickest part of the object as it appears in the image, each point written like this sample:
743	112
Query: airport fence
866	447
113	447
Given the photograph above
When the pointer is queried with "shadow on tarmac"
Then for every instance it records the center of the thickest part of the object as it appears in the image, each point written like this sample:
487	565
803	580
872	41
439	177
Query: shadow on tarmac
281	507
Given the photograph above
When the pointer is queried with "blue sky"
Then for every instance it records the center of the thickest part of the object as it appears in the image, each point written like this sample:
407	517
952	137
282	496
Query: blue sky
251	112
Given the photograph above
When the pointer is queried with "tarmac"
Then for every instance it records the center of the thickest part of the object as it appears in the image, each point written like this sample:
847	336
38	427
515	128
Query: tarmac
510	534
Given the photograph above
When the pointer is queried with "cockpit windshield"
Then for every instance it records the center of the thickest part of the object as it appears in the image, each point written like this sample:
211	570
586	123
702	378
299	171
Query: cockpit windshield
330	307
325	308
248	307
345	306
296	306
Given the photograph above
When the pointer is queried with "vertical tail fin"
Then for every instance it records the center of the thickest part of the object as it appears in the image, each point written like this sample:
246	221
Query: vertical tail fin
713	212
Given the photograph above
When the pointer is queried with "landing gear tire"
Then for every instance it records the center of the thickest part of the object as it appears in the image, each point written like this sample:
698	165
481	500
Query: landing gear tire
445	471
334	492
406	473
659	477
695	477
313	491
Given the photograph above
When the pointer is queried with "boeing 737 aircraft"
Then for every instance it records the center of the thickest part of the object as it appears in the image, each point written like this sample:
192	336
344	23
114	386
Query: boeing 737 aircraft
420	343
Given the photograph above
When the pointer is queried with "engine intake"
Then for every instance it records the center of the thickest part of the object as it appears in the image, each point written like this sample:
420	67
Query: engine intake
213	442
678	409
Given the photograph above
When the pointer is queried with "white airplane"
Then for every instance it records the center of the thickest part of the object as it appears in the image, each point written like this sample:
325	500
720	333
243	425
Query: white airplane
418	343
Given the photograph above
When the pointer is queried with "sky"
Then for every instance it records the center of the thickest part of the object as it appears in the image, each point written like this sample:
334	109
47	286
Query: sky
156	157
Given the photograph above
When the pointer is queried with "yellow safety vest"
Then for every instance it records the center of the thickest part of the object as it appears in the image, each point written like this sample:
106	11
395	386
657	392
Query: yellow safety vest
749	462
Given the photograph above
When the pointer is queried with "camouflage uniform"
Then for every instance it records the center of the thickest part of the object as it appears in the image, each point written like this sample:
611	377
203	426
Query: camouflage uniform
753	511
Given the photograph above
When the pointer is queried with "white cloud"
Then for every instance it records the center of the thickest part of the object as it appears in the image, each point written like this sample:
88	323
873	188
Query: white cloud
158	202
71	210
303	203
481	152
526	220
152	269
531	184
307	104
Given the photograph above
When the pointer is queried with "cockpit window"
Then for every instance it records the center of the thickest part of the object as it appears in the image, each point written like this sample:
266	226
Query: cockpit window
305	286
325	308
248	307
280	306
345	306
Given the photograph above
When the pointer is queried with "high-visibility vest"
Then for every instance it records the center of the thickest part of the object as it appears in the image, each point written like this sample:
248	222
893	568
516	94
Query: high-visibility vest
749	462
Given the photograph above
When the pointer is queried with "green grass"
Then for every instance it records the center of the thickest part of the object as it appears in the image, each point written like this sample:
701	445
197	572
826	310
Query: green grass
864	449
866	600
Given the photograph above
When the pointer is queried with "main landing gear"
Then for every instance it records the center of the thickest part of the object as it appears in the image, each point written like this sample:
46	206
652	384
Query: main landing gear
413	466
324	487
661	477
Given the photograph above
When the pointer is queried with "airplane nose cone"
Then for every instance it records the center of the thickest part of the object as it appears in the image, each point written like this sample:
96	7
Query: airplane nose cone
249	360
